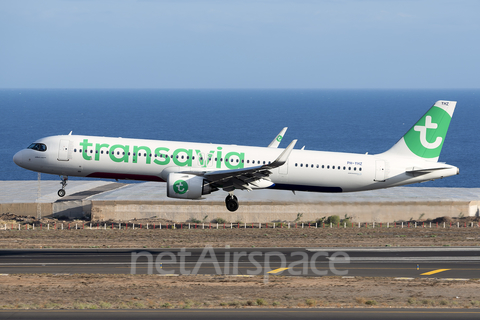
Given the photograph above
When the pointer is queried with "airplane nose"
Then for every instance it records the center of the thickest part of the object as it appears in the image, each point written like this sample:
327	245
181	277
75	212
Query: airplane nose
18	158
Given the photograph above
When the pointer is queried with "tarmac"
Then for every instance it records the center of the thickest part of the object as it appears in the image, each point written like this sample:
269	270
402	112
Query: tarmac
105	200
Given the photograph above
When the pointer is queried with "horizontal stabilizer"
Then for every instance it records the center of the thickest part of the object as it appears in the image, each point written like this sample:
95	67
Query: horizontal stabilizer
425	170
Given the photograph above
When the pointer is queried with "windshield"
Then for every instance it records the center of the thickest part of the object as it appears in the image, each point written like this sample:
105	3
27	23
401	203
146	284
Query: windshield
38	147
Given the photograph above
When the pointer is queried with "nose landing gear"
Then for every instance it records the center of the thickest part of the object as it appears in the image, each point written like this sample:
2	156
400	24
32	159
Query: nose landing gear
231	202
62	192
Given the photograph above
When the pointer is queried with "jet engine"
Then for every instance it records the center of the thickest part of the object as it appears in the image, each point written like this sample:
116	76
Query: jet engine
187	186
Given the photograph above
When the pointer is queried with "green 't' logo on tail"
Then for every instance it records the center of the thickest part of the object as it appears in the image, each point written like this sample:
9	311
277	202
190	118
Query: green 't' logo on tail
426	137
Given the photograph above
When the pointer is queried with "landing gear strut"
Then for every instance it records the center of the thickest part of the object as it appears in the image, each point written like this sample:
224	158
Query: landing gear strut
231	202
62	192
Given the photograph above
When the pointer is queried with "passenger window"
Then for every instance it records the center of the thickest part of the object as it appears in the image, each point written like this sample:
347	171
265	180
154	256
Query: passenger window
296	164
323	166
328	167
354	168
349	168
359	169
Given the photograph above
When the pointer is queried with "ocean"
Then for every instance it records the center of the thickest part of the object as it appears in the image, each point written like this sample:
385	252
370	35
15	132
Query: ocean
357	121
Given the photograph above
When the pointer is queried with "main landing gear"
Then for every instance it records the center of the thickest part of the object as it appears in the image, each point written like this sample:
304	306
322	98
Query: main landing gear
231	202
62	192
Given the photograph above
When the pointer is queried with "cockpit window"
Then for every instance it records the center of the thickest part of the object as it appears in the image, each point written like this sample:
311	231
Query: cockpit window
38	147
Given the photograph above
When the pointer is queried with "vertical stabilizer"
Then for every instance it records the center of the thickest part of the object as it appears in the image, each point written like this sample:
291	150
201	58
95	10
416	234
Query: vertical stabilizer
425	139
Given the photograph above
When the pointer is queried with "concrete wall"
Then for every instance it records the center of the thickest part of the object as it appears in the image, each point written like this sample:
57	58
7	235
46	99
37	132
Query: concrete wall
182	211
474	210
28	209
72	209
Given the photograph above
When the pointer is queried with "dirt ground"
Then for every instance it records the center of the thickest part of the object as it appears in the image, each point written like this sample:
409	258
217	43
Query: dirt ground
52	233
152	291
279	237
82	291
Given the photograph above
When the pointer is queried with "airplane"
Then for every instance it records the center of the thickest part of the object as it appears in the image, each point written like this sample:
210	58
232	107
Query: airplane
192	170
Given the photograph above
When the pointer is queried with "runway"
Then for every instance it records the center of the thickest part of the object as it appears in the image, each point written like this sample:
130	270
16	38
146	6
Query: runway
267	314
447	263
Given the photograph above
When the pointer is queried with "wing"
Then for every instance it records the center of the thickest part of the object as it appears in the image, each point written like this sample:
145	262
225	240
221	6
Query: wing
245	178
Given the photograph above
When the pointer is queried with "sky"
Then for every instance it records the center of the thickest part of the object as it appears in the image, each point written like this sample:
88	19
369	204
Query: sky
374	44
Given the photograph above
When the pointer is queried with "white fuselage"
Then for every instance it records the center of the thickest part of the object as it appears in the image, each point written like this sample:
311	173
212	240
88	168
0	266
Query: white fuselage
152	160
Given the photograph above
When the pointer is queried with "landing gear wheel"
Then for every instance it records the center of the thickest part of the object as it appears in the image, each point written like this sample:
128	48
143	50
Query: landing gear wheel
232	203
62	192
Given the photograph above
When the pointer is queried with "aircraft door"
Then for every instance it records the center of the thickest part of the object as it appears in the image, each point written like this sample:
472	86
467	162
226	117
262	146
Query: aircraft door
63	150
379	171
204	160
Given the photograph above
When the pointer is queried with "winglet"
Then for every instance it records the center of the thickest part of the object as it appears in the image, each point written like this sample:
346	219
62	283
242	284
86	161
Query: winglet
278	138
283	157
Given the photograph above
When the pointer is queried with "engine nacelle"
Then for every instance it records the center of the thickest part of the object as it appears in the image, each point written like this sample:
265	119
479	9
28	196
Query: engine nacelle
187	186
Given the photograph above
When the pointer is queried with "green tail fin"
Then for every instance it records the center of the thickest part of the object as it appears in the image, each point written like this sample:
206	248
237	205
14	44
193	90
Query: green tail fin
425	139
